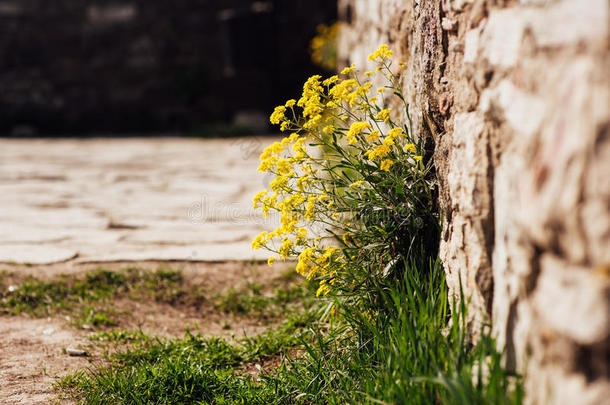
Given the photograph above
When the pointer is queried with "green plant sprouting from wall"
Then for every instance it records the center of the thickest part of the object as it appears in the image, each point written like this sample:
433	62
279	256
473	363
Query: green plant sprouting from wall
356	202
354	195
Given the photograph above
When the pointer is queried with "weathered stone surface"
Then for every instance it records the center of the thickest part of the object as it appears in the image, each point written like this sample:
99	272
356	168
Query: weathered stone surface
129	199
516	96
469	189
35	254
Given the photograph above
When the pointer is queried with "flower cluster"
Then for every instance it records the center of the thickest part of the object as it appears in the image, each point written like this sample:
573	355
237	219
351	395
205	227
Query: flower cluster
337	170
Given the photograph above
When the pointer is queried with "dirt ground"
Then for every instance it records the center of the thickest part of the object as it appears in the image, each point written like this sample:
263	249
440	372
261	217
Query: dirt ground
33	351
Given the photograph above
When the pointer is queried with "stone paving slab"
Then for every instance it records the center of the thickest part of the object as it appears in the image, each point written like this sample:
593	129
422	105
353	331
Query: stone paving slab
129	199
35	253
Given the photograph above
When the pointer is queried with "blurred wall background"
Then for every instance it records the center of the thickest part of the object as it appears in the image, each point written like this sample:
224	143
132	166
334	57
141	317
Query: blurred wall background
95	66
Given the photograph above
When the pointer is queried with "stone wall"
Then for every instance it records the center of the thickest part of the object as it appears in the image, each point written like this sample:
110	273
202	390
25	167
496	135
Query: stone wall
514	98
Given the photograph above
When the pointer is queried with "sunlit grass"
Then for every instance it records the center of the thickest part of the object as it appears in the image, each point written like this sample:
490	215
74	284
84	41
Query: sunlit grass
415	350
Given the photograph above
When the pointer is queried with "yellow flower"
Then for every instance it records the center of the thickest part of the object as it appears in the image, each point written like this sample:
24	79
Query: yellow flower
348	70
356	129
301	234
323	289
293	201
331	80
383	115
309	210
259	241
396	132
392	135
257	198
373	136
303	181
283	167
311	100
342	90
279	183
379	152
386	164
410	147
298	145
312	122
365	88
288	220
347	237
278	115
328	252
268	164
274	148
357	184
284	250
382	53
389	140
329	129
305	259
297	192
308	169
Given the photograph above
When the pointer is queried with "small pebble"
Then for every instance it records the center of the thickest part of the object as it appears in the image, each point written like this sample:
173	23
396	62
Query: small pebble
75	352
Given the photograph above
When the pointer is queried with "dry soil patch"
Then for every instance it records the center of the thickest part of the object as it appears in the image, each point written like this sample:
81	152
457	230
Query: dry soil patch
32	351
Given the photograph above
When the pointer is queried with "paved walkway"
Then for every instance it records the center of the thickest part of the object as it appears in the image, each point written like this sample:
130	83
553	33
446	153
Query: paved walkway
134	199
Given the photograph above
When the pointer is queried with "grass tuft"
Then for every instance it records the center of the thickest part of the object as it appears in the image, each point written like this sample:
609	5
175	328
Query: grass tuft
404	354
42	297
193	369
